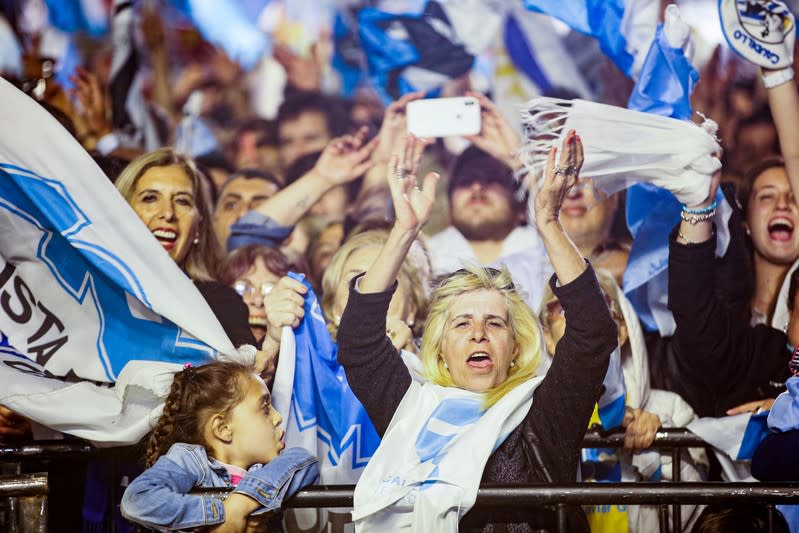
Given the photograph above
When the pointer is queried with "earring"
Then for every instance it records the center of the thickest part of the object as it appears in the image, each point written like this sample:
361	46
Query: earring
196	240
446	365
748	231
513	363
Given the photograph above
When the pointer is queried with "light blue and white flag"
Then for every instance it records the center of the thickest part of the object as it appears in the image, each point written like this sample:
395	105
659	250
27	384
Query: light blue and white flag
425	475
320	411
85	289
413	51
663	88
72	16
623	28
734	439
230	26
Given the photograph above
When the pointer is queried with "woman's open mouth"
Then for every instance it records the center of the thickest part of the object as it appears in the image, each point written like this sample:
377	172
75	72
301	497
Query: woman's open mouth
167	237
479	361
780	229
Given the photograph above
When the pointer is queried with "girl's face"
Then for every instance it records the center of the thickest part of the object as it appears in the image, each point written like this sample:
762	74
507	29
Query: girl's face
256	436
773	216
164	200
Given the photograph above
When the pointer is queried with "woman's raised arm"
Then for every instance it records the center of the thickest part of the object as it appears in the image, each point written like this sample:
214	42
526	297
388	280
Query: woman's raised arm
558	179
412	207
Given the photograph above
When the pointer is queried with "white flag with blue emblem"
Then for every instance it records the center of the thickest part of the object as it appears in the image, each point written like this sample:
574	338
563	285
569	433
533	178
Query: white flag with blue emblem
85	289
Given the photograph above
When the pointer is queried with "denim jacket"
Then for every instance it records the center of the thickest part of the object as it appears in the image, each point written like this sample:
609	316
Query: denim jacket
159	498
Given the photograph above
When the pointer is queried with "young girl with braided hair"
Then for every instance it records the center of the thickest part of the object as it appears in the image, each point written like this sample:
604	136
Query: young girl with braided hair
218	429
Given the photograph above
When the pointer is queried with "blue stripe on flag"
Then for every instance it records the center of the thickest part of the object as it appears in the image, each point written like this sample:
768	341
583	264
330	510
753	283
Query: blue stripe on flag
519	51
756	431
600	19
321	395
663	87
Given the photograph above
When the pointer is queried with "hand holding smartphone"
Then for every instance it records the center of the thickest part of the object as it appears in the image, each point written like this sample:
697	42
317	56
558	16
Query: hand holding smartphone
443	117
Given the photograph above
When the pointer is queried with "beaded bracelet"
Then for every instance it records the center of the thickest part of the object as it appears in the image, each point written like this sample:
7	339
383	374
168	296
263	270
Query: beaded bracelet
695	219
701	210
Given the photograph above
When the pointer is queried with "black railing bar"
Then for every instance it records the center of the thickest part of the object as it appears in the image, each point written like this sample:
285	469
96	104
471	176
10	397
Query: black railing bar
637	493
665	438
23	485
44	449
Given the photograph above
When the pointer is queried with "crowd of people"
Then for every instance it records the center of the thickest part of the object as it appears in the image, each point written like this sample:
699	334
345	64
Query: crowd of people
495	286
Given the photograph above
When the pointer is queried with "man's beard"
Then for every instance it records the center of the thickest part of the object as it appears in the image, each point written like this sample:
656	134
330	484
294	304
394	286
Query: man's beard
496	229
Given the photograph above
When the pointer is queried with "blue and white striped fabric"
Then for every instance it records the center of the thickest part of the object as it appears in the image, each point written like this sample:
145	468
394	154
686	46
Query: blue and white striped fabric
734	439
85	289
623	28
664	87
411	52
230	26
72	16
320	410
425	475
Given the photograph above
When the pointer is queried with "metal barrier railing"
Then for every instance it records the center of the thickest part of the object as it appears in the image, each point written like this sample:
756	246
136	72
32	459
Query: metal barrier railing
563	495
23	503
674	439
51	449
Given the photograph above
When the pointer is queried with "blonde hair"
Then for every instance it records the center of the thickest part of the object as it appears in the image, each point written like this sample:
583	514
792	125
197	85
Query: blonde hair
203	260
521	320
415	276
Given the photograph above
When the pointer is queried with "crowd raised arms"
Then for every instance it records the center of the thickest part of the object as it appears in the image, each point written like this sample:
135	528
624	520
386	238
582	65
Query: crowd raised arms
413	316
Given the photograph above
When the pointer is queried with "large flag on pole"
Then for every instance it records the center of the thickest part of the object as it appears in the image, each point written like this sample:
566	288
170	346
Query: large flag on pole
85	289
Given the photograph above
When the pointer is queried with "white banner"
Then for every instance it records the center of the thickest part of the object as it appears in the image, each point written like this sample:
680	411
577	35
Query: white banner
84	286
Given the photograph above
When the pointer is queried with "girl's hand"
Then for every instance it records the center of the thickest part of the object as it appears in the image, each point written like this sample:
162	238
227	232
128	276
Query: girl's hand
237	508
558	179
412	206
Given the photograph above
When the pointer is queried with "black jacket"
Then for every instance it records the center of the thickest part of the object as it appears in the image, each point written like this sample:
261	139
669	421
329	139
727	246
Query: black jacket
545	447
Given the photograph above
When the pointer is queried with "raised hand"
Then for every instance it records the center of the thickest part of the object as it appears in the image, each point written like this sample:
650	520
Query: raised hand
412	205
558	179
345	158
92	100
304	73
393	130
497	136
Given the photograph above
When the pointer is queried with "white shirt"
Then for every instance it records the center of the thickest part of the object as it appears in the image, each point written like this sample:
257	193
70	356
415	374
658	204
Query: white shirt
522	253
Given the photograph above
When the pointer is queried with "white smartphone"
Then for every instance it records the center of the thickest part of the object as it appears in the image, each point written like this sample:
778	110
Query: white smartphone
443	117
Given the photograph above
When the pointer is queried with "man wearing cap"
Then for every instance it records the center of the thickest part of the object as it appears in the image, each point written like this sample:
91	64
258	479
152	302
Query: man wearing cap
489	223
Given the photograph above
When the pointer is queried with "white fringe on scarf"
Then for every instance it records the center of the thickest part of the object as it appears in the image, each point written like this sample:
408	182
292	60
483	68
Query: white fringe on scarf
623	147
